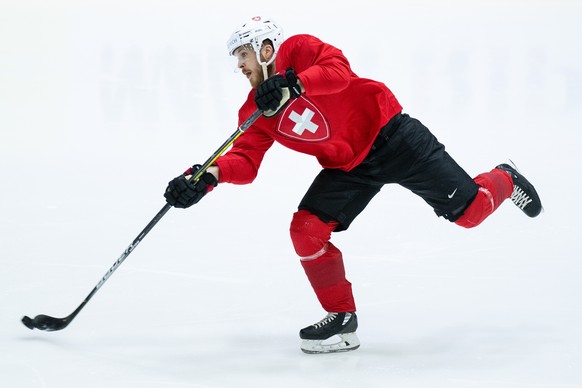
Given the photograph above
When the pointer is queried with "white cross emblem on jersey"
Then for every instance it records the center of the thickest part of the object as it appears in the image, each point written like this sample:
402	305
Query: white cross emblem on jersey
303	122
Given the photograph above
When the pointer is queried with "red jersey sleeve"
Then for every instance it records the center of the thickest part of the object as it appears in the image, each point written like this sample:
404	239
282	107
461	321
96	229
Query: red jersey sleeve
241	163
321	67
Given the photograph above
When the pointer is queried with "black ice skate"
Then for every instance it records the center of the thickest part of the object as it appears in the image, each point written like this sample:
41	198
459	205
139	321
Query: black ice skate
524	195
342	325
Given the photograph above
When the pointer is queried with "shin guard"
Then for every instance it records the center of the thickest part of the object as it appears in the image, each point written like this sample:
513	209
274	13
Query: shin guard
494	188
322	262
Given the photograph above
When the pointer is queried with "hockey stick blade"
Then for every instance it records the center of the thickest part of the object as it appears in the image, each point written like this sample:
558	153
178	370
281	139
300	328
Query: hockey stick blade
46	323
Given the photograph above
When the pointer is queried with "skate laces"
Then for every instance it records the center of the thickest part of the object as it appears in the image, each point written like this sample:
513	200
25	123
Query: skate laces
328	318
520	197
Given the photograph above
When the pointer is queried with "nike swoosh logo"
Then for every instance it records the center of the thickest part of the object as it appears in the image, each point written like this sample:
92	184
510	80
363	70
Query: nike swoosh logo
452	194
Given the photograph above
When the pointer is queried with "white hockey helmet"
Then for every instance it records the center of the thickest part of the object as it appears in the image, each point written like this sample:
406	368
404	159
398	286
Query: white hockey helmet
255	32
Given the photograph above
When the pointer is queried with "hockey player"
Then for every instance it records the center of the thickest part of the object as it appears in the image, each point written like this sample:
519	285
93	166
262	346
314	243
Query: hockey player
312	102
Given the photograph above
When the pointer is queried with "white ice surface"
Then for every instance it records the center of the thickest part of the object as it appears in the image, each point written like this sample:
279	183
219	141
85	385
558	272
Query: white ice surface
102	102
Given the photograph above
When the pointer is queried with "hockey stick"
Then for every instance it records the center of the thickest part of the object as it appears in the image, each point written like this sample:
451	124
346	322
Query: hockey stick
47	323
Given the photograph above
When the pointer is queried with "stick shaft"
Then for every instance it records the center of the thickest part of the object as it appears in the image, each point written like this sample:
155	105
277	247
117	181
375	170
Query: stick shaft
240	130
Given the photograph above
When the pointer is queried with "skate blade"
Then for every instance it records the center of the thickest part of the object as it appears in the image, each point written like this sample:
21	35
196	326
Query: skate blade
346	343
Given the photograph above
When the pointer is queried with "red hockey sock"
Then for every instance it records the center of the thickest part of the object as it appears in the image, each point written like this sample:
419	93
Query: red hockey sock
494	188
328	279
322	261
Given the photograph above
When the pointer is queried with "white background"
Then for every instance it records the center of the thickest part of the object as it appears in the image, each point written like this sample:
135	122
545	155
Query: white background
103	102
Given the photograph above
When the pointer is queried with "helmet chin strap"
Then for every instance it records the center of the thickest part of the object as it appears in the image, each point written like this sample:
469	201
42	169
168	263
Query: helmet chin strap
265	70
264	65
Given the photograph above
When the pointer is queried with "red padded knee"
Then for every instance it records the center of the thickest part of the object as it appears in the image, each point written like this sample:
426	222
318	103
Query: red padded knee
309	234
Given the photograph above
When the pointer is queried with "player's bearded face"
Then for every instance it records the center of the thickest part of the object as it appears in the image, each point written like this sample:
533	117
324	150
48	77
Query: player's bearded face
249	66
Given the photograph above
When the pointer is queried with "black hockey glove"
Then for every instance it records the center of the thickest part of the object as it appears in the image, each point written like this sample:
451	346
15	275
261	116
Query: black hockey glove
274	93
182	193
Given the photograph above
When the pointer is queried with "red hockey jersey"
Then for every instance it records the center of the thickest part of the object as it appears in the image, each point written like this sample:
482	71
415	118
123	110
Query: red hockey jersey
336	120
